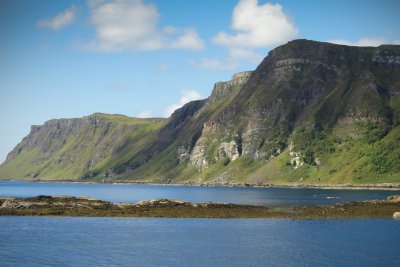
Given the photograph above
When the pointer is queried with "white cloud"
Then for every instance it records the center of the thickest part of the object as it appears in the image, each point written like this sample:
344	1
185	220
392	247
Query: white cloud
61	20
148	113
375	41
189	40
132	24
254	26
124	24
371	41
186	96
257	26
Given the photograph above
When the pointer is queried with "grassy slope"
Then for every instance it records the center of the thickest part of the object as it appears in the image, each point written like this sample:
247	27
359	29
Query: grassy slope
353	161
351	152
120	140
355	152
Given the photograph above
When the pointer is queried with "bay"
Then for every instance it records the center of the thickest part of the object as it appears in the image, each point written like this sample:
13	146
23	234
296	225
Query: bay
66	241
43	241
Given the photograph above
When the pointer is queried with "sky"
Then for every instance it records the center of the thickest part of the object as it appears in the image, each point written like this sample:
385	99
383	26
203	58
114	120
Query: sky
146	58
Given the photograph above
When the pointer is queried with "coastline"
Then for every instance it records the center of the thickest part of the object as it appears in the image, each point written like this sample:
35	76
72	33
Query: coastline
346	186
170	208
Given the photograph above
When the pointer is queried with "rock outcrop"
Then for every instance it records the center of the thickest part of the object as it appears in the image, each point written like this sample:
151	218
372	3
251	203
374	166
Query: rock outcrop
224	90
296	159
228	150
88	207
161	202
183	154
198	158
319	111
393	199
51	201
76	148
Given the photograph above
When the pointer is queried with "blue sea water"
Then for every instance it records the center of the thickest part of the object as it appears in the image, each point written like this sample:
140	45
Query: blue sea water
66	241
238	195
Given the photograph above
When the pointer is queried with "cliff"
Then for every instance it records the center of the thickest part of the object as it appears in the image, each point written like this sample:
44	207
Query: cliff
311	112
66	149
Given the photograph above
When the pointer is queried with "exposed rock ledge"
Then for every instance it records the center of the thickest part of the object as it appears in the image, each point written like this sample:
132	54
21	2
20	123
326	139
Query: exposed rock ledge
85	206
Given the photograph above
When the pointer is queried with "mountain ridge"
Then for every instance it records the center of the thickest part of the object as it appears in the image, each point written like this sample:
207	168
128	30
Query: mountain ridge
311	112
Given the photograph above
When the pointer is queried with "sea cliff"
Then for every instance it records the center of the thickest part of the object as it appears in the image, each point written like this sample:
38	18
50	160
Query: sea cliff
310	113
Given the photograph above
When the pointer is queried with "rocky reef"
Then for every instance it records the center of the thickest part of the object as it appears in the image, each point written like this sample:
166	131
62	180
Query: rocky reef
85	206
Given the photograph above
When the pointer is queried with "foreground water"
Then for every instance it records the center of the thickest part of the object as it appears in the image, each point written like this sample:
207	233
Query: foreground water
52	241
237	195
41	241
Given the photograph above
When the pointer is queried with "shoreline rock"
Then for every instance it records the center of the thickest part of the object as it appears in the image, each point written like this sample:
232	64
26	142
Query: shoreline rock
380	186
172	208
393	199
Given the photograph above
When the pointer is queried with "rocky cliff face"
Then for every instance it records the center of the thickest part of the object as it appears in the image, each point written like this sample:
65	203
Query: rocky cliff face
223	90
302	95
223	145
75	148
51	136
310	112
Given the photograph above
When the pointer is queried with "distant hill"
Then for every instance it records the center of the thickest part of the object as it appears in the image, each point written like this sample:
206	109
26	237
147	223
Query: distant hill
311	112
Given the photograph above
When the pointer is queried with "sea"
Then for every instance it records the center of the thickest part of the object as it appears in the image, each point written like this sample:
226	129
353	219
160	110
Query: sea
80	241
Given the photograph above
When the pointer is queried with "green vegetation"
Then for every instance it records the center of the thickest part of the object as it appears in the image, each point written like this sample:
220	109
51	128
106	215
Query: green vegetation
92	148
310	113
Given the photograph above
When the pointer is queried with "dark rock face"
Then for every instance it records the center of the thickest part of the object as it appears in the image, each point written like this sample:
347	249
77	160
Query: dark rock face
305	102
307	83
295	80
224	90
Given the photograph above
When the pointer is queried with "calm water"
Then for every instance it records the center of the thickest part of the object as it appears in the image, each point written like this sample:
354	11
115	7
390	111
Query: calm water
41	241
65	241
133	193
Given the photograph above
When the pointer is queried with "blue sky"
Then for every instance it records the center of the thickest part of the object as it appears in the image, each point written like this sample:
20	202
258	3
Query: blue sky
63	59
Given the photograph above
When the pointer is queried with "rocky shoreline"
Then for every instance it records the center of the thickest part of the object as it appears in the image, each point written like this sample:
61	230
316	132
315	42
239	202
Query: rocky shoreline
90	207
380	186
347	186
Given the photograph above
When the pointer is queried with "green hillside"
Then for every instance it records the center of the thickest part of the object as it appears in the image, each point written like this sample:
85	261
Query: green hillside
310	113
